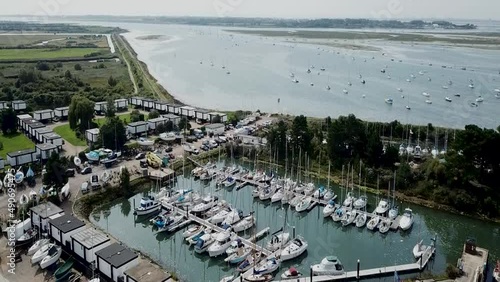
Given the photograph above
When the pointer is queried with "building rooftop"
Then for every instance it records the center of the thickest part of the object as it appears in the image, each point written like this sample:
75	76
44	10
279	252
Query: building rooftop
25	116
61	108
116	255
90	237
120	100
51	136
158	119
101	103
66	223
202	111
93	131
161	103
216	113
18	102
46	210
147	272
21	153
214	125
46	146
170	116
187	108
42	111
138	123
43	130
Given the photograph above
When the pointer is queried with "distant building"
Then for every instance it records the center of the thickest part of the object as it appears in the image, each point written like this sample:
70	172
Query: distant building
121	104
173	118
43	115
187	111
154	122
45	150
61	229
61	113
100	107
41	214
87	242
19	105
3	105
201	114
251	140
137	128
215	128
114	260
213	115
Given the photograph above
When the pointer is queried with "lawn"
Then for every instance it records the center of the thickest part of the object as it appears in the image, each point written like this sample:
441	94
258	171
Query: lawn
15	142
124	117
69	135
11	40
47	53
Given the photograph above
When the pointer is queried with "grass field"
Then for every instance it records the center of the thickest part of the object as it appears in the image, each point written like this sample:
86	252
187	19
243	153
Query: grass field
69	135
124	117
11	40
12	143
46	53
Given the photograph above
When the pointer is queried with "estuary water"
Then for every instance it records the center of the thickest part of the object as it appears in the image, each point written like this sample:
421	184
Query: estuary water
324	236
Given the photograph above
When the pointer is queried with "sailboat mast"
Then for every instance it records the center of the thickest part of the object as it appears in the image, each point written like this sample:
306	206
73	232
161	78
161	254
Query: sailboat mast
328	185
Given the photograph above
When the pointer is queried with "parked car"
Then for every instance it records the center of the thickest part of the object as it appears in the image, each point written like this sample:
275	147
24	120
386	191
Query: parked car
85	187
195	151
140	156
70	172
191	139
205	142
86	170
204	147
169	149
213	144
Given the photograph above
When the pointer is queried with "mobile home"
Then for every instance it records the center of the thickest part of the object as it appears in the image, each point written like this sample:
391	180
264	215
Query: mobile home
114	260
19	105
43	115
63	227
100	107
21	119
3	105
45	150
62	112
174	109
41	214
173	118
136	128
39	132
136	101
161	107
121	104
92	135
187	111
22	157
222	117
148	104
215	128
153	123
88	241
202	114
53	138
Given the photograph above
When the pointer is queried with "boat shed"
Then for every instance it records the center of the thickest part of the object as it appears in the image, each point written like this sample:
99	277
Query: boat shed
215	128
121	104
39	132
92	135
3	105
45	150
161	107
21	118
174	109
41	214
154	122
136	101
63	227
114	260
202	114
148	104
187	111
53	138
136	128
100	107
62	112
19	105
173	118
213	115
43	115
21	157
146	272
88	241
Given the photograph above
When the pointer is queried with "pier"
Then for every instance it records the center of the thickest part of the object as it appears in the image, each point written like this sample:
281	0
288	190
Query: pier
473	262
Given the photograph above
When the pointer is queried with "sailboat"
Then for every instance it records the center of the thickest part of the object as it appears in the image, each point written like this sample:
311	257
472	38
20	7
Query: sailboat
393	212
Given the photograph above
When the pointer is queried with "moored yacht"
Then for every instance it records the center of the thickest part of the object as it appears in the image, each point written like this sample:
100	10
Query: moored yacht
203	243
278	240
406	220
329	208
222	242
373	223
294	249
330	265
382	207
148	205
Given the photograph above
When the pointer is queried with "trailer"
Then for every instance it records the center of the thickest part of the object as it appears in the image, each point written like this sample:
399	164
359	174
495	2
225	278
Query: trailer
53	138
32	127
100	107
44	151
92	135
153	123
202	114
43	115
121	104
137	128
161	107
173	118
61	112
174	109
148	104
187	111
18	158
214	116
136	101
39	132
215	128
21	119
19	105
3	105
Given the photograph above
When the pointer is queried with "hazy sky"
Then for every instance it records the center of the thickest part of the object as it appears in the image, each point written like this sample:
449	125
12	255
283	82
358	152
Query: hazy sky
464	9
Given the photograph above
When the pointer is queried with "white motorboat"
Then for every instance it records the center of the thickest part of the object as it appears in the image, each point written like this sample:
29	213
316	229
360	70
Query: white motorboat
148	205
393	212
168	136
304	204
41	253
360	203
384	225
267	266
208	175
287	197
278	240
27	236
278	196
192	230
291	273
389	101
345	91
349	217
239	254
471	86
52	257
309	189
37	245
296	200
426	94
203	243
447	99
479	99
294	249
193	239
320	193
267	193
400	89
329	208
349	200
206	203
382	207
221	215
419	249
232	217
406	220
338	214
256	191
222	242
249	262
145	142
330	265
235	245
170	223
229	182
299	188
373	223
361	220
329	195
244	224
445	86
428	101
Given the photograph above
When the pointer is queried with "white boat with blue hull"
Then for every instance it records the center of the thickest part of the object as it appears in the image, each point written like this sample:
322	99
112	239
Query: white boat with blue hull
169	223
329	208
148	205
193	239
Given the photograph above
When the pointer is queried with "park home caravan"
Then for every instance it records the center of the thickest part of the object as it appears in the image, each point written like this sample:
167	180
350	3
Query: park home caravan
161	107
2	163
114	260
53	138
61	113
3	105
41	214
137	128
173	118
100	107
147	272
21	119
63	227
154	122
92	135
45	150
187	111
30	125
43	115
39	132
18	105
217	117
121	104
21	157
201	114
174	109
136	101
88	241
215	128
148	104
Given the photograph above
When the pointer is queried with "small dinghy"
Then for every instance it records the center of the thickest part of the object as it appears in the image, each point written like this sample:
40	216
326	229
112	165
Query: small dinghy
27	237
238	256
291	273
41	253
64	269
38	244
258	278
419	249
52	257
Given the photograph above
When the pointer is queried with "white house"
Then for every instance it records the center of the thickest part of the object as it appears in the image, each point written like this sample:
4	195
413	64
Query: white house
92	135
22	157
223	117
39	132
187	111
136	128
146	272
173	118
215	128
41	214
45	150
202	114
19	105
100	107
21	118
61	112
3	105
160	106
154	122
53	138
114	260
63	227
121	104
136	101
43	115
173	109
88	241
